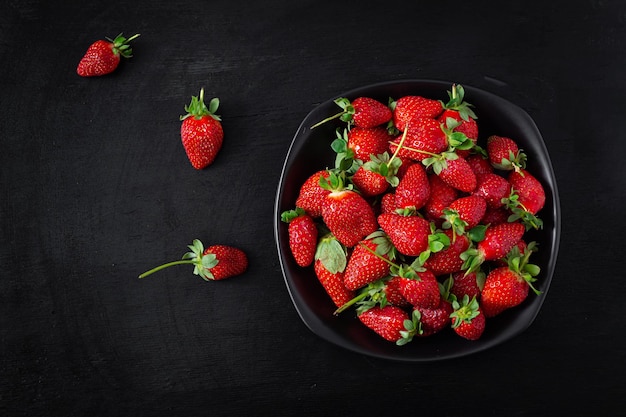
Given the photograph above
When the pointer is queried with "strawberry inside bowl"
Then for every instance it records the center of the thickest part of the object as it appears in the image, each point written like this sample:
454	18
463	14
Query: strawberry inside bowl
316	149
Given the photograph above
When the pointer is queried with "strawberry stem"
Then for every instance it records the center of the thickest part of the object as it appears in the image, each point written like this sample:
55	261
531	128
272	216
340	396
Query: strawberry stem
400	144
166	265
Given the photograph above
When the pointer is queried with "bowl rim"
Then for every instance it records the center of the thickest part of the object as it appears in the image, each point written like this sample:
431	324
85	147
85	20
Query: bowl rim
316	325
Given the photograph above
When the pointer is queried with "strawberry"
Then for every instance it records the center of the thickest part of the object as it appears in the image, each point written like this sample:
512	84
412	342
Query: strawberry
369	261
434	320
493	188
470	284
449	259
376	175
422	138
201	131
409	234
464	213
214	263
418	286
460	111
302	235
364	142
332	284
504	154
507	286
312	194
498	241
345	212
409	108
453	170
377	293
388	322
526	199
363	112
103	57
495	216
413	190
441	195
388	203
479	164
468	320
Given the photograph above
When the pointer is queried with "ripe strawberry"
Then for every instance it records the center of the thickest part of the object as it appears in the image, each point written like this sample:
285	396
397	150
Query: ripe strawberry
388	203
365	142
302	235
214	263
464	213
460	111
457	173
498	241
504	153
495	216
382	292
312	194
441	195
386	321
413	190
103	57
449	259
407	109
526	199
376	175
368	261
468	320
479	164
507	286
493	188
332	284
346	213
467	284
421	138
434	320
363	112
201	131
409	234
419	288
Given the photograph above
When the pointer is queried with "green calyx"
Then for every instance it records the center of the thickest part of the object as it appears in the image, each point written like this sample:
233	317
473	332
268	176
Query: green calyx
464	311
121	45
437	241
412	327
288	215
385	166
520	212
515	162
371	296
519	263
202	263
344	159
197	109
456	101
345	115
336	181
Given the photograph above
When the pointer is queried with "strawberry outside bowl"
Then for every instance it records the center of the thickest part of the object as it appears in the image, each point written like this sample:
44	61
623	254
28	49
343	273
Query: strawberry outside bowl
310	151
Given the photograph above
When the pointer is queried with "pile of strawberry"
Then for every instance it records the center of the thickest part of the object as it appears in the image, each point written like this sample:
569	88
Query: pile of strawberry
418	225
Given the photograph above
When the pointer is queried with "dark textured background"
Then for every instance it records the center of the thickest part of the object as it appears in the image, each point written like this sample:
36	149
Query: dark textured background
95	189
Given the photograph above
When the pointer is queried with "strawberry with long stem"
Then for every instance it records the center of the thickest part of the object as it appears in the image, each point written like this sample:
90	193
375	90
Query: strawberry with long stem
214	263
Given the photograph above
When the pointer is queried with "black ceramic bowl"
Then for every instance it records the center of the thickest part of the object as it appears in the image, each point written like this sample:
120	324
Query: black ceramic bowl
310	151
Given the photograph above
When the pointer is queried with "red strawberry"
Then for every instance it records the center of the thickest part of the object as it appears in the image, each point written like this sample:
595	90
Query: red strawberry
217	262
103	57
449	259
362	112
407	109
467	284
495	216
461	112
311	194
504	153
441	195
368	261
526	199
365	142
386	321
369	183
507	286
498	241
479	164
434	320
332	284
388	203
468	320
302	235
419	288
414	188
377	293
409	234
458	174
201	131
421	138
493	188
346	213
464	213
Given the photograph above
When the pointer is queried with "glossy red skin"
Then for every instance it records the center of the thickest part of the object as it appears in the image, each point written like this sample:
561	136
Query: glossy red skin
422	292
333	284
369	112
479	164
202	140
414	188
530	191
311	194
348	216
471	330
465	284
422	134
503	289
500	239
99	59
231	261
448	260
458	174
387	321
470	209
441	196
303	239
366	142
410	108
369	183
498	148
409	234
364	267
493	188
434	320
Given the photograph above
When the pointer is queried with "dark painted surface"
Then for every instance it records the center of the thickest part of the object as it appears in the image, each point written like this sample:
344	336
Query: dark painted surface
96	189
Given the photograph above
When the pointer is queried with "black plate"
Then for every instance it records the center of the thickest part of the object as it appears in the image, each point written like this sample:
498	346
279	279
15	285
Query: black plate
310	151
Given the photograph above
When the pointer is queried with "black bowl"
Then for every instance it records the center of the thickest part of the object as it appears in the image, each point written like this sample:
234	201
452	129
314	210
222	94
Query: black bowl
310	151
